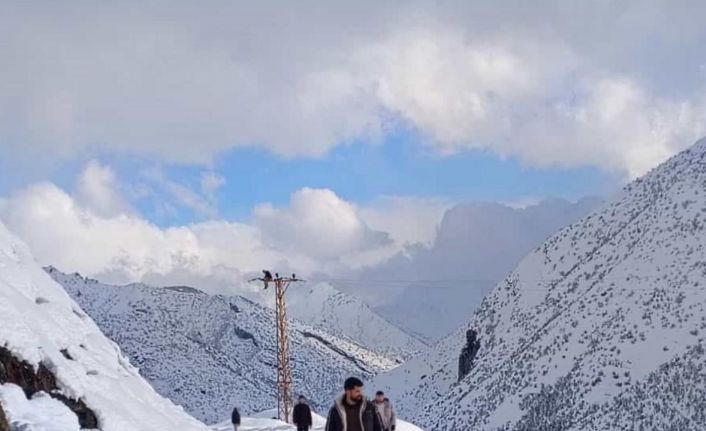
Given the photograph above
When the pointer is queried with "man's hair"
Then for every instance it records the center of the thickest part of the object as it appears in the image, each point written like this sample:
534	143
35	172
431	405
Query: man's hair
379	393
352	383
301	397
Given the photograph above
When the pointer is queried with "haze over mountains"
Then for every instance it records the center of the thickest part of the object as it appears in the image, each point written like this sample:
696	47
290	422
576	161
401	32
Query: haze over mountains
476	245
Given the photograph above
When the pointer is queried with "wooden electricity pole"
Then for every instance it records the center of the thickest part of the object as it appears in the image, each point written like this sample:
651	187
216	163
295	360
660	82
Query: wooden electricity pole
284	366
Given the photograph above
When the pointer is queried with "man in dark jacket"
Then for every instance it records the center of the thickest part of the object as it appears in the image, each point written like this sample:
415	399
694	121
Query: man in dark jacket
301	415
235	418
352	412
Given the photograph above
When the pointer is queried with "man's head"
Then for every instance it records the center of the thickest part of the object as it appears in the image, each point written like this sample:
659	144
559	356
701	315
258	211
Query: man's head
354	389
380	396
302	399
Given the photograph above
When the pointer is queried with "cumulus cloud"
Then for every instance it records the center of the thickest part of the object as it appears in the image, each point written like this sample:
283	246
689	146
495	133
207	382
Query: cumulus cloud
615	85
409	221
97	190
89	231
125	247
320	224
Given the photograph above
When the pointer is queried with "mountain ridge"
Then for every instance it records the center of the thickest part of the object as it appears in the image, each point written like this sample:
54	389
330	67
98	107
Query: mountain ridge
587	324
229	343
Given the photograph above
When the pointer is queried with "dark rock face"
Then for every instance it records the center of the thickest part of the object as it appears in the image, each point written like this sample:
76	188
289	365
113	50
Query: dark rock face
22	374
468	353
4	426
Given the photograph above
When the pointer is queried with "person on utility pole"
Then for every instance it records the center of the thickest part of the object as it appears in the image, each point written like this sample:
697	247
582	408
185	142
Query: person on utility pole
352	412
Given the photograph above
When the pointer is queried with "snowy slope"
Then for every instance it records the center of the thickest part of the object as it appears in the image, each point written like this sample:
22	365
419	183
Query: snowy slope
41	325
599	328
324	306
209	353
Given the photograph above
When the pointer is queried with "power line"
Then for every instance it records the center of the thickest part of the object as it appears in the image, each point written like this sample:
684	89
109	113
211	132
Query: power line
471	283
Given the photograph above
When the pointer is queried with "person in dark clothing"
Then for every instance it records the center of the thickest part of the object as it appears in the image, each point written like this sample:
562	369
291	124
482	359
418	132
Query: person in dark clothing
386	411
301	415
235	418
352	412
266	277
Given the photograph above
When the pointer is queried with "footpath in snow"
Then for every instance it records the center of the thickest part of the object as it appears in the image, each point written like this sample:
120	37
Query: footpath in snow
263	422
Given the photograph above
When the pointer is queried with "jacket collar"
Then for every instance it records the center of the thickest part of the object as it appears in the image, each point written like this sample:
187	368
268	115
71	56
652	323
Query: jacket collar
340	405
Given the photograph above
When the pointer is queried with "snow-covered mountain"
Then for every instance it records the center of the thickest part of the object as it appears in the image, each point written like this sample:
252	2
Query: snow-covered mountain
52	352
209	353
342	314
476	246
602	327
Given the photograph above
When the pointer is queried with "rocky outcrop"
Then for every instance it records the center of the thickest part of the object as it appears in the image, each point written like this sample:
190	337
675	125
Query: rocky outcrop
469	352
4	426
22	374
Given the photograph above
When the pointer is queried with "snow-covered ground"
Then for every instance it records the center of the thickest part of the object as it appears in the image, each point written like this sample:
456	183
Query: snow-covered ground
39	413
264	422
40	324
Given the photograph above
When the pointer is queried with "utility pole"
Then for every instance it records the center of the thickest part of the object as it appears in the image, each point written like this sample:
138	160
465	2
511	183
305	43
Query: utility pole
284	366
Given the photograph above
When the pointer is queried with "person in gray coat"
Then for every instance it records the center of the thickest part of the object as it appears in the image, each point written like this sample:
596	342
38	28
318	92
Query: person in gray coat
386	411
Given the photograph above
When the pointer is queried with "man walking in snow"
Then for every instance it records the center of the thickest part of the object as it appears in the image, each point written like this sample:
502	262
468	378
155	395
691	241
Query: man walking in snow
352	412
301	415
235	418
386	412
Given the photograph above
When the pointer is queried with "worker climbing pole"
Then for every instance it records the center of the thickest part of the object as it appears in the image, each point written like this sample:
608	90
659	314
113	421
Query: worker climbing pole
284	367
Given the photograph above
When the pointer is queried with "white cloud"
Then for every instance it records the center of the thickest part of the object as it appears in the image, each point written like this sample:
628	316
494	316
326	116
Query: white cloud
210	183
318	223
407	220
619	86
125	247
317	232
199	199
97	189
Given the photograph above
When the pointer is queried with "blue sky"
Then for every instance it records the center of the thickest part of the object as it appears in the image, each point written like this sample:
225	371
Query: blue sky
361	172
400	166
352	127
